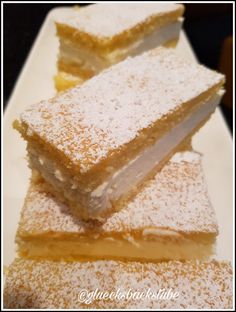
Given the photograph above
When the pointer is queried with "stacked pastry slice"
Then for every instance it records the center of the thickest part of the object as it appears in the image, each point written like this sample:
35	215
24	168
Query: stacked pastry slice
171	218
98	143
100	35
57	285
111	191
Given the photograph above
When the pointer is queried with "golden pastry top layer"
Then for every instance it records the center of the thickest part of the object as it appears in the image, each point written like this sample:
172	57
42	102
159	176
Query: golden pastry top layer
48	284
175	202
89	123
108	20
105	27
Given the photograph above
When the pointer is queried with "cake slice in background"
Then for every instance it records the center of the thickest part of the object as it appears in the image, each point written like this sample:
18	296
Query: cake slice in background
97	36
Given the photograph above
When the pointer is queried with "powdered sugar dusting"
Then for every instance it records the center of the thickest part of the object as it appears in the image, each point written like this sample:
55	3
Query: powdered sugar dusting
108	20
111	109
45	284
176	199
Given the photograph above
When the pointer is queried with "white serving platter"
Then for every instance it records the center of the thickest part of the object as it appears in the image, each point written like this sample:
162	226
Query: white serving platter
36	83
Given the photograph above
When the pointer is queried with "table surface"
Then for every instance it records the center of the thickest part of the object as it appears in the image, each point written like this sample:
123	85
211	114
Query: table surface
35	83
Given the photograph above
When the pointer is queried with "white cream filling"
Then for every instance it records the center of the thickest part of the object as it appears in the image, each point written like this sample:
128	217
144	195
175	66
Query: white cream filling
135	171
155	39
89	60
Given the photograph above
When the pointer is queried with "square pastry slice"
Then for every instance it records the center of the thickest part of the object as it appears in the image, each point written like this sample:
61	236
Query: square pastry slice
114	284
172	218
97	143
97	36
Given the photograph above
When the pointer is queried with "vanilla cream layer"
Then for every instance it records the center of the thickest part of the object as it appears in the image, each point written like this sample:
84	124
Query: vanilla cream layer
88	60
110	248
129	176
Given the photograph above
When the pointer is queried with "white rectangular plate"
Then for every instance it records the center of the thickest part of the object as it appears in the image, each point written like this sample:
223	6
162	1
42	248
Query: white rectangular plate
36	83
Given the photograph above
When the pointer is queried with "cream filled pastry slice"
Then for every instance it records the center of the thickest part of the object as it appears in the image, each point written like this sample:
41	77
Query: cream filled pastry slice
100	35
113	284
96	144
172	218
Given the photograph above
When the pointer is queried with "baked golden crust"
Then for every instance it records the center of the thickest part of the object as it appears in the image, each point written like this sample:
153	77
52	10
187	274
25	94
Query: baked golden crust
64	81
45	284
